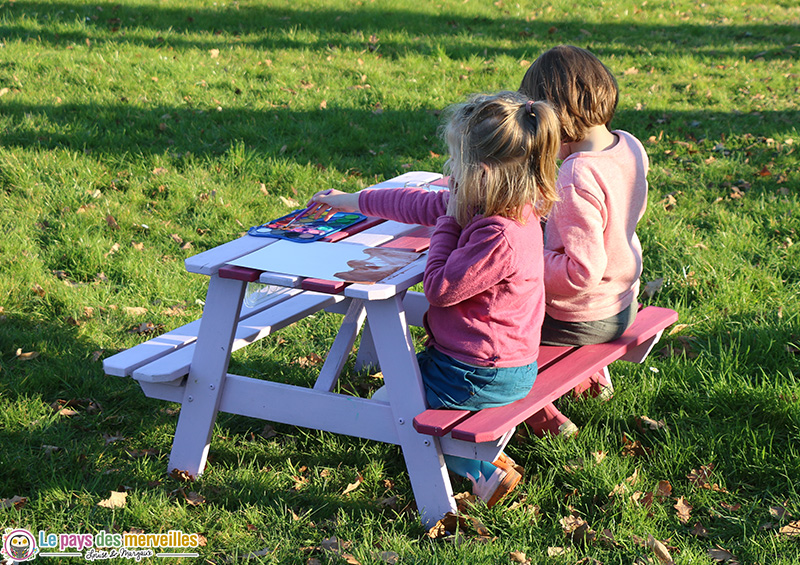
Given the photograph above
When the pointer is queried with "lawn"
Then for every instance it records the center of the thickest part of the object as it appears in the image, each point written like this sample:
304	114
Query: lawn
136	133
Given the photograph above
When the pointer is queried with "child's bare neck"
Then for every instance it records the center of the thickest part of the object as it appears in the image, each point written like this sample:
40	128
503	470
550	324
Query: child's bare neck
598	138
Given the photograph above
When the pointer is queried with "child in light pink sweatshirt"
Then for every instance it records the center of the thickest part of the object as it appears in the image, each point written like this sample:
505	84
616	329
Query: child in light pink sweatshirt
593	258
482	281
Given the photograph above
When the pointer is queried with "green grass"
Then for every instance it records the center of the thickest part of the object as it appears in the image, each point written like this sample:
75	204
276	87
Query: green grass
131	129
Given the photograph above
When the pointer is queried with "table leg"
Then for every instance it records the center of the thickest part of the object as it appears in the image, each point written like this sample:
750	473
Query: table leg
366	358
206	375
423	454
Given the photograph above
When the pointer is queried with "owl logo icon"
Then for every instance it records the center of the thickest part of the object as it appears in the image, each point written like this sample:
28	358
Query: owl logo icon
19	545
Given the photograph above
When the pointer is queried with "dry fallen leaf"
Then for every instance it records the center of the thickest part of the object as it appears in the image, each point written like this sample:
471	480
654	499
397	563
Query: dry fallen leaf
556	551
684	510
353	486
653	424
135	310
659	549
518	557
25	356
116	500
181	475
663	489
719	554
791	529
699	530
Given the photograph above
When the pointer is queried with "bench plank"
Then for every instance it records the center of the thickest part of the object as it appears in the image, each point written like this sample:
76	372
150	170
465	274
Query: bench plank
563	369
177	363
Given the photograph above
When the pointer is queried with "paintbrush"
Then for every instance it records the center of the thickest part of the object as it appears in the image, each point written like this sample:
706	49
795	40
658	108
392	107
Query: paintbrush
306	211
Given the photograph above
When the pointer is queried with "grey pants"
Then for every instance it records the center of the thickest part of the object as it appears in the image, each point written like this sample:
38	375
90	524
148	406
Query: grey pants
556	332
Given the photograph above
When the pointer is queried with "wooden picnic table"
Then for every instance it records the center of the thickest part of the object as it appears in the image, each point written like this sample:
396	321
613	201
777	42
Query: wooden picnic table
189	365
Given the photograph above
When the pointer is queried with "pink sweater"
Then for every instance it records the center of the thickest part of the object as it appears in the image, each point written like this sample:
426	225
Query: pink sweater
483	282
592	257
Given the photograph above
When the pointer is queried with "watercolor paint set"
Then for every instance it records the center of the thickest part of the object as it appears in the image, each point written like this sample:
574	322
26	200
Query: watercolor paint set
302	228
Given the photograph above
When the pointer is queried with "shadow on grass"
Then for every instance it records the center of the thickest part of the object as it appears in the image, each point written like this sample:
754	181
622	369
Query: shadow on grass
267	27
357	141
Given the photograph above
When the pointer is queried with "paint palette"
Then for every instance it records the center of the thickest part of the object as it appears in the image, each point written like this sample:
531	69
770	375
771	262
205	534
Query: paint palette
305	229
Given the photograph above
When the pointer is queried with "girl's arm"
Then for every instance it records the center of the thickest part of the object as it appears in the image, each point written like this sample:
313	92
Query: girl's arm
406	205
580	263
454	274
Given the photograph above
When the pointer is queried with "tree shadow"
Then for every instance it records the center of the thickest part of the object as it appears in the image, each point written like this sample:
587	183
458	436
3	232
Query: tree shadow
267	27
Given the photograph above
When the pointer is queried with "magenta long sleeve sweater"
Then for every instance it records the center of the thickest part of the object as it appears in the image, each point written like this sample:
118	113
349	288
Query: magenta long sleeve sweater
483	282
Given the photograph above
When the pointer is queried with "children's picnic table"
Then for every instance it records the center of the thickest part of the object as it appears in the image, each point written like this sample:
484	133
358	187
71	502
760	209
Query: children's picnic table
189	365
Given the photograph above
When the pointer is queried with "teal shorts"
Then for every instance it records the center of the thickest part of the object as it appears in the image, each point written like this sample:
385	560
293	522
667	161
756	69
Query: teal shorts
450	383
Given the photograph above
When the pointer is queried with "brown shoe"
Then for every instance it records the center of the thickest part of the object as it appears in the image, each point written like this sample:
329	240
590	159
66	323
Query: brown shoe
493	489
505	462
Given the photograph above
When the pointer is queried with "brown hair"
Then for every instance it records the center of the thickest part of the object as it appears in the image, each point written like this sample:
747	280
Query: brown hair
582	90
502	156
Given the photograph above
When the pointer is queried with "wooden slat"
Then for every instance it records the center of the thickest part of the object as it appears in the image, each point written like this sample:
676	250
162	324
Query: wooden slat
416	240
239	273
562	369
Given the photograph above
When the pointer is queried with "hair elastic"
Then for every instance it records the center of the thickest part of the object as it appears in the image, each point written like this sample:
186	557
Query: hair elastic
529	108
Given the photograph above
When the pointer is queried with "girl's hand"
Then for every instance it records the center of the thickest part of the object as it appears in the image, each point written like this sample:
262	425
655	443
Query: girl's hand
328	202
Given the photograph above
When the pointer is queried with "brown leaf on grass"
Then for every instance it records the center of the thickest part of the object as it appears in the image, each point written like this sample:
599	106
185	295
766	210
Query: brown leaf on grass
452	523
779	511
518	557
652	287
194	498
684	510
699	530
735	507
176	238
663	489
699	478
159	171
678	327
114	249
792	529
630	71
309	361
138	246
25	356
112	223
558	551
146	328
720	555
353	486
577	529
108	439
16	502
669	202
116	500
291	202
181	475
38	290
135	310
649	423
660	550
634	448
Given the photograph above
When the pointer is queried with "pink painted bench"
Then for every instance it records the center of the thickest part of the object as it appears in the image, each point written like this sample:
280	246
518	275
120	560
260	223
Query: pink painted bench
561	369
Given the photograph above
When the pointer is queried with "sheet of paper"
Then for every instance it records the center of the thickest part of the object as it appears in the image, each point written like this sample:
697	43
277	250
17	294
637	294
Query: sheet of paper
330	261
